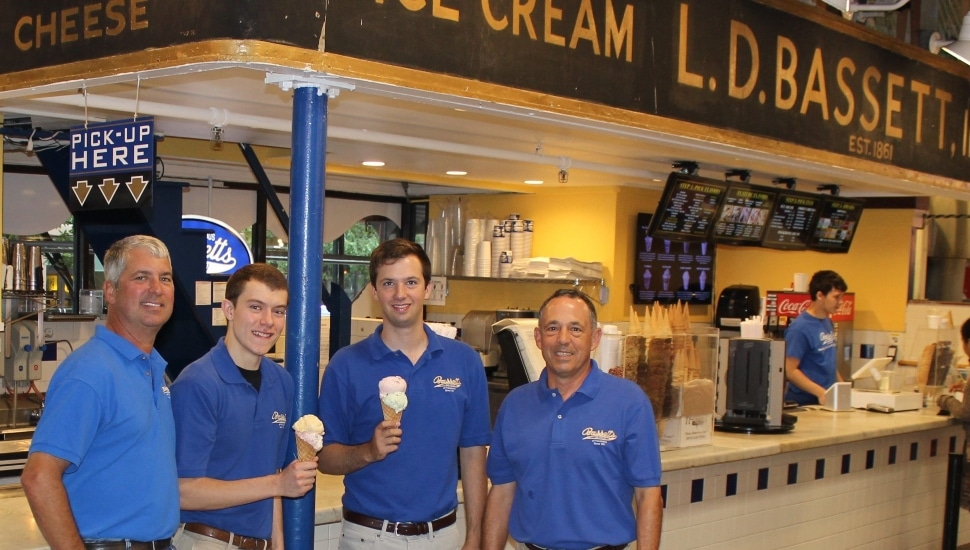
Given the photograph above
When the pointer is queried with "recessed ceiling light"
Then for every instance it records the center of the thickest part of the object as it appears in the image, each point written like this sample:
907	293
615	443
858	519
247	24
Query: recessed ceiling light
533	182
456	173
374	163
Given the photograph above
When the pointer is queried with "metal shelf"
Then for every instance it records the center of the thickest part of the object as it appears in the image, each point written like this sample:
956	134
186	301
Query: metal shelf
571	281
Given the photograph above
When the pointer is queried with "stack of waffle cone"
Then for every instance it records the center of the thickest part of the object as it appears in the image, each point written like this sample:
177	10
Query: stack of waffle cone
390	413
304	451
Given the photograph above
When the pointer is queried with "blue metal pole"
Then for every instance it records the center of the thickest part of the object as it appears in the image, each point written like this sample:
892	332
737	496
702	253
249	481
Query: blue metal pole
305	285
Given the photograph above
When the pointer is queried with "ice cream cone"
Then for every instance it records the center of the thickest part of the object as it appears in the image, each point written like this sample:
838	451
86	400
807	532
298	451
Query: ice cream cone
304	451
390	413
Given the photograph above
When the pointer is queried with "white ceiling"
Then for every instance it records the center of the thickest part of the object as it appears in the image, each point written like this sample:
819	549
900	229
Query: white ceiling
419	135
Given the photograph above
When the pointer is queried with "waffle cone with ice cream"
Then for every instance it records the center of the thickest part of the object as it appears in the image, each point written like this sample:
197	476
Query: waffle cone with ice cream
309	437
393	397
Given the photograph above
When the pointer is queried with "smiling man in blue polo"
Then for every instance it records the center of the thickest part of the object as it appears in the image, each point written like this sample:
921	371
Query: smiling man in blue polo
232	424
571	451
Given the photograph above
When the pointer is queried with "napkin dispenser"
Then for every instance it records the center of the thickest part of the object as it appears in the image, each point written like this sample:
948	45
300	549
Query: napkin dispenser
751	386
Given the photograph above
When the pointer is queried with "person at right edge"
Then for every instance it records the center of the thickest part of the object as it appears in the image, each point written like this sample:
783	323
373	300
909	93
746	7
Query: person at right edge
810	346
952	403
575	457
401	477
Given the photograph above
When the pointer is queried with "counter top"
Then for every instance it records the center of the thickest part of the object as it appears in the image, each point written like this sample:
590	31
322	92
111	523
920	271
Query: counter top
815	428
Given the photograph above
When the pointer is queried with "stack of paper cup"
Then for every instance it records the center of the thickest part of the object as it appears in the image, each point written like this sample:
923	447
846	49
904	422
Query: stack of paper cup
499	243
609	349
505	264
471	238
517	240
483	266
528	239
489	230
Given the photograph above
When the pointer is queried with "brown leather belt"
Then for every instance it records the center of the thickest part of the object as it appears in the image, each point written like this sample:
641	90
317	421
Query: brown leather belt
531	546
126	544
240	541
404	529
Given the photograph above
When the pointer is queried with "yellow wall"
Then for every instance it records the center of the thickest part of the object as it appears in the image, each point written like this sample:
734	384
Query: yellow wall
589	224
876	268
598	224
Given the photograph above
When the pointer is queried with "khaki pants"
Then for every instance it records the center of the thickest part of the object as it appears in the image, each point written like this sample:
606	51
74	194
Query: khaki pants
358	537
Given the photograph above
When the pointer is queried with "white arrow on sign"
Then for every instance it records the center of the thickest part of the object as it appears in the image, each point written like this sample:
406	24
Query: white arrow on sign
108	189
137	187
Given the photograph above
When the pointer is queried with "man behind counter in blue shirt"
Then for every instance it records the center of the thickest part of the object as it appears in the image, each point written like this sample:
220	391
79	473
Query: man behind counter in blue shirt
810	360
571	451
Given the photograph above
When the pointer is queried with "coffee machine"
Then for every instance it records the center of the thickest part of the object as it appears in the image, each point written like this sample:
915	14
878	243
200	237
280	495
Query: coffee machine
751	386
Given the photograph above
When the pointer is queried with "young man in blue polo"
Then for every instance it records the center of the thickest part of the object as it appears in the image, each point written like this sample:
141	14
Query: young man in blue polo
401	477
232	422
571	451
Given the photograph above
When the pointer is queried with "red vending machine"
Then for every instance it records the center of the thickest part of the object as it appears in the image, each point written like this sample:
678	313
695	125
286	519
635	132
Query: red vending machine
782	306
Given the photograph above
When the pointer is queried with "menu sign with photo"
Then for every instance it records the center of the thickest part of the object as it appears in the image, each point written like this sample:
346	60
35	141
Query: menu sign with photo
687	207
792	221
838	219
743	214
671	270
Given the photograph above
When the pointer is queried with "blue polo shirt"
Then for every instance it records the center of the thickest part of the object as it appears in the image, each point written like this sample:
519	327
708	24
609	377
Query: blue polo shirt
227	430
812	341
575	463
447	409
108	413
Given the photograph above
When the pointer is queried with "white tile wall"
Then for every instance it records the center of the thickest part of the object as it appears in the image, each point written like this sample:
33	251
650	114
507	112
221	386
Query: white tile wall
877	505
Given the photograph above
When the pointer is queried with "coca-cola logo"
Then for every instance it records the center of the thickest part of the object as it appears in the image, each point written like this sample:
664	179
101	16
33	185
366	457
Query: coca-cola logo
793	306
845	308
788	307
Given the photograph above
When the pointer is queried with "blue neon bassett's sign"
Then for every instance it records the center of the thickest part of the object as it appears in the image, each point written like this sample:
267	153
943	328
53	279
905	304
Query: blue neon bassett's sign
112	165
226	251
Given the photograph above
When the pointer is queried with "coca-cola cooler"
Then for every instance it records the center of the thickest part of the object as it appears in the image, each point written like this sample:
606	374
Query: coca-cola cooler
782	306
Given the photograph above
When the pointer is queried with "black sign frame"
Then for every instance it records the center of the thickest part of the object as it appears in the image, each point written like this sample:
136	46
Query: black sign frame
836	224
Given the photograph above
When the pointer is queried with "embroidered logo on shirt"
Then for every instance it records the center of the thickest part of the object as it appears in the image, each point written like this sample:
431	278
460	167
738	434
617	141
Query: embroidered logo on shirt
599	437
826	341
448	384
279	419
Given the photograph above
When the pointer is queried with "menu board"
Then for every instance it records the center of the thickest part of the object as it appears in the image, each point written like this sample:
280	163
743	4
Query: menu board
838	219
668	270
687	207
792	220
743	214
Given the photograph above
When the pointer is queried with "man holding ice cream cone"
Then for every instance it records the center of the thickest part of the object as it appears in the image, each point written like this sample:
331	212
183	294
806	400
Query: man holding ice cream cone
232	416
400	408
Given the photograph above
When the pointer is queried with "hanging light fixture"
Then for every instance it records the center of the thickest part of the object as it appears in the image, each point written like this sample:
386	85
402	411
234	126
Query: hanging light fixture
961	48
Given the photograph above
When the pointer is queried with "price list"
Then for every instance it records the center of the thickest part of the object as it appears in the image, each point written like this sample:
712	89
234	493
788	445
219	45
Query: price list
689	208
743	215
836	224
791	221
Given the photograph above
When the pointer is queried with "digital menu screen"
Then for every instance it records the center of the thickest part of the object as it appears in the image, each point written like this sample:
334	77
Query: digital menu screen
838	219
687	207
743	214
791	221
668	270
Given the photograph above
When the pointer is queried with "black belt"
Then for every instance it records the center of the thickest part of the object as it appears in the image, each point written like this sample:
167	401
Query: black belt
531	546
126	544
405	529
239	541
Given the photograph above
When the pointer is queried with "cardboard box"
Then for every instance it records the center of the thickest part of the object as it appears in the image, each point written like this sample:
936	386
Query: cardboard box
687	431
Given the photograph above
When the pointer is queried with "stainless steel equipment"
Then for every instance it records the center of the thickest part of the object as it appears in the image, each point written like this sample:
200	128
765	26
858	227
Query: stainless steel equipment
476	331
